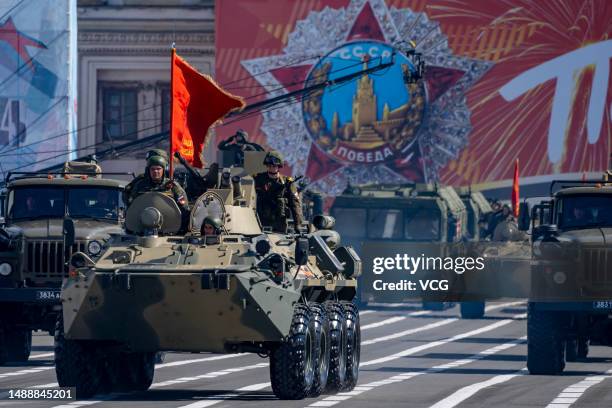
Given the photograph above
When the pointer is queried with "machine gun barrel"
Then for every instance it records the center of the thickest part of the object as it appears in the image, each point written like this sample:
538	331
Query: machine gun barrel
188	167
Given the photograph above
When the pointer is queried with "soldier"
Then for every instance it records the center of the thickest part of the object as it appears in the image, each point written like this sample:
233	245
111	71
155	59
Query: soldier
155	180
277	196
211	226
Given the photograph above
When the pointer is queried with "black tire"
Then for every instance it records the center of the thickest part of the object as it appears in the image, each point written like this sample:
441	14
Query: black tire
472	310
353	340
545	342
571	350
136	371
15	344
336	380
292	368
77	364
322	339
583	348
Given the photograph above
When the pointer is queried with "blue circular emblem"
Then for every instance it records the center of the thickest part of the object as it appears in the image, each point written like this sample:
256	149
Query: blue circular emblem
372	118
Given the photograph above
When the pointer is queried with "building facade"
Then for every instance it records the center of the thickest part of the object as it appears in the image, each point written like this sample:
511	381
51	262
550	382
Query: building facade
124	68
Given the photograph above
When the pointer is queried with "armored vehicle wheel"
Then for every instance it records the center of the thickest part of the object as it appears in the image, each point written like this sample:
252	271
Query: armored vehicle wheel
322	339
545	342
292	370
353	340
136	371
76	364
338	346
472	310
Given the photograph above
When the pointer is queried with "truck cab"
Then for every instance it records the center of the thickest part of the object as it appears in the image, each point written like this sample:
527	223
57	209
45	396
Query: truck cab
32	252
571	285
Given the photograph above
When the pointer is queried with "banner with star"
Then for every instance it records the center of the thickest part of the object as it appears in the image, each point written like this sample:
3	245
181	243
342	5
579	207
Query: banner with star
503	80
38	83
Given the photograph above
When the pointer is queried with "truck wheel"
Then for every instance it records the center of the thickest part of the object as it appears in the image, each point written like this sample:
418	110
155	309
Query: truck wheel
338	346
136	371
583	347
571	350
76	364
472	310
321	360
292	368
353	340
19	345
545	342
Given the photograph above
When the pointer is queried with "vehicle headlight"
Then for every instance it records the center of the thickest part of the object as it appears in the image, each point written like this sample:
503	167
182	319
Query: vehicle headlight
94	248
5	269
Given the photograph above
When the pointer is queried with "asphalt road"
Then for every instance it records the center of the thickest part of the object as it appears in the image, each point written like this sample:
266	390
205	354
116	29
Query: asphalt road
409	358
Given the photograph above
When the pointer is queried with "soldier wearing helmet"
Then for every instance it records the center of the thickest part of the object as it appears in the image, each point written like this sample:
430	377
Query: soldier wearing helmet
211	226
277	196
155	179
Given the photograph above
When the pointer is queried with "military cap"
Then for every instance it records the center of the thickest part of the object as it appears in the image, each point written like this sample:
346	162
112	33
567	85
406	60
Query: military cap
273	157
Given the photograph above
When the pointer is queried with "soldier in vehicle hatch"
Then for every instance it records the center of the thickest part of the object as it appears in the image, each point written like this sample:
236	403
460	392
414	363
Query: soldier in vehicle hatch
156	180
277	196
211	226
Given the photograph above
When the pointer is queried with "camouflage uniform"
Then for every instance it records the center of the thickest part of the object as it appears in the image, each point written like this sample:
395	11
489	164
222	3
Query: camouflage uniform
277	199
144	184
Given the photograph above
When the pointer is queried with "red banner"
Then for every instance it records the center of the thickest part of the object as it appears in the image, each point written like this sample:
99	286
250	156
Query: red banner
503	80
197	104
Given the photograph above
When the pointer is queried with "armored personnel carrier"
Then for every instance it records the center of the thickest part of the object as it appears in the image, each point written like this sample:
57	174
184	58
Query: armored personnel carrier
32	250
288	297
571	286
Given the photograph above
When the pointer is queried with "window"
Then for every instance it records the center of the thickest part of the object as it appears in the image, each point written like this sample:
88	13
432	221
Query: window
36	202
120	116
385	224
584	211
350	222
99	203
422	225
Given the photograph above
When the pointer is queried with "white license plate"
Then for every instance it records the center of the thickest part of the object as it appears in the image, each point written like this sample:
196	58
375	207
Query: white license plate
602	304
48	295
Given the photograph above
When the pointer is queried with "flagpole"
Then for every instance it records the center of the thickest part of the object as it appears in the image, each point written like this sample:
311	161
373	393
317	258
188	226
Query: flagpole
171	158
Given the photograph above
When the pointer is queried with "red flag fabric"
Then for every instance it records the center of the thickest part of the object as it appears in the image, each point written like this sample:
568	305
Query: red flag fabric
515	189
197	104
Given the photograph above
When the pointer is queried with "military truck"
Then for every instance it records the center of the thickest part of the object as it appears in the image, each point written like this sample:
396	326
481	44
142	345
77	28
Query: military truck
478	213
571	285
32	251
288	297
399	214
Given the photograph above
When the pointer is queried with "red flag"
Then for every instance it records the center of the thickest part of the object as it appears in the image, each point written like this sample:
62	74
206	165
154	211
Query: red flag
197	104
515	189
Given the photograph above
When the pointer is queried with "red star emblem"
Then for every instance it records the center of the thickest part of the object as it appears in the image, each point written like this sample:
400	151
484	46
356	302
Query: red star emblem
19	41
365	27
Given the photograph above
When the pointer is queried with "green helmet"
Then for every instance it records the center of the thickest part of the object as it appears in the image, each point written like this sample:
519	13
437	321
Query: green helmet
157	161
214	222
157	152
273	157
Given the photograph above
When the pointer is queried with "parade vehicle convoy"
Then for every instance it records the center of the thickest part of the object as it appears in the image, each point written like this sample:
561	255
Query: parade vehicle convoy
425	216
289	297
32	251
571	286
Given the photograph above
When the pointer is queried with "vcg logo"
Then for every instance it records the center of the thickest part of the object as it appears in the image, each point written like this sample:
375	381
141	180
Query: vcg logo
373	119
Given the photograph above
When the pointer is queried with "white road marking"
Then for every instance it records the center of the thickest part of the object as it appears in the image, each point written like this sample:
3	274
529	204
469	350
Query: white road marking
365	312
464	393
571	394
26	371
416	349
198	360
408	332
43	355
217	399
495	306
385	322
161	384
360	389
